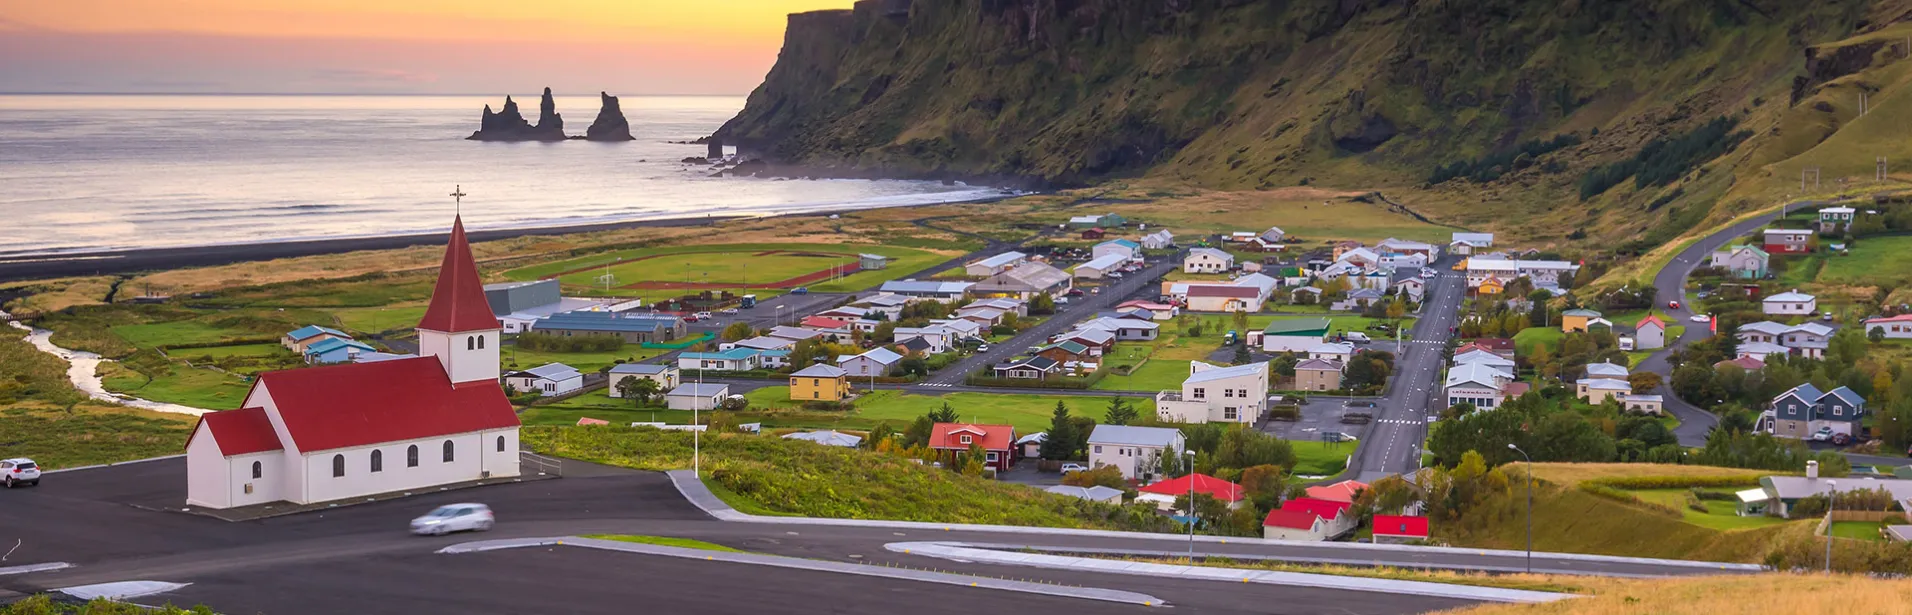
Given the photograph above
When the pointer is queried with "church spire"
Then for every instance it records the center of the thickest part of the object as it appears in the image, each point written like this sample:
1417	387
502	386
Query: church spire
458	302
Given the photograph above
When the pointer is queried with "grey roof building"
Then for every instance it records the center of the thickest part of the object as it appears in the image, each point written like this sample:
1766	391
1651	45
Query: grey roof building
511	297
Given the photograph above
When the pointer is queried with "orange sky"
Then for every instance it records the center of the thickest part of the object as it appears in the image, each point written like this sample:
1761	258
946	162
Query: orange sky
425	46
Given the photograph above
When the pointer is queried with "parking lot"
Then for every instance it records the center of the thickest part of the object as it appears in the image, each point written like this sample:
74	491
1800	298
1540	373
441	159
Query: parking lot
1319	415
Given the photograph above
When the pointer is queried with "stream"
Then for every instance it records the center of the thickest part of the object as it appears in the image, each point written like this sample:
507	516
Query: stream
83	371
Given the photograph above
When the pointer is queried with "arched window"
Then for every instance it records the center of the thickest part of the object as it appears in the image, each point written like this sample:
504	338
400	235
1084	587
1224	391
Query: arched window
378	460
258	470
471	343
501	444
481	342
411	456
448	451
338	466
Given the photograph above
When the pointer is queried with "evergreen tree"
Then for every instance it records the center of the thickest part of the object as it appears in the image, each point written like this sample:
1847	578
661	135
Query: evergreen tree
1121	412
945	414
1058	445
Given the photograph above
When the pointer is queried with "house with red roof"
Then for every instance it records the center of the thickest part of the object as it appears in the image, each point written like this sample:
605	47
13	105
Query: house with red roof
1649	333
346	431
1499	346
1163	493
1312	519
952	440
1397	529
1892	327
1343	491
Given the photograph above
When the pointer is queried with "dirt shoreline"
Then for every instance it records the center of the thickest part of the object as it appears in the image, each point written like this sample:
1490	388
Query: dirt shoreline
18	268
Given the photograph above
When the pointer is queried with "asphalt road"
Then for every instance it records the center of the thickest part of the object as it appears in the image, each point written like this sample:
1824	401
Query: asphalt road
1393	441
1067	315
360	559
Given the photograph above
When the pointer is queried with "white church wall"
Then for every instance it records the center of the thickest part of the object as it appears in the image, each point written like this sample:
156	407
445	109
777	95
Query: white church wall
467	357
205	471
467	464
505	462
265	488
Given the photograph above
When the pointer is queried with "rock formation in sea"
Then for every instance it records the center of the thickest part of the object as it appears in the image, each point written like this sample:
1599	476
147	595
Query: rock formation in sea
508	125
610	124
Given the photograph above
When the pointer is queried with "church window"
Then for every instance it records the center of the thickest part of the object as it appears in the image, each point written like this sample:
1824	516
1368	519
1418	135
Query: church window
501	444
448	454
481	342
411	456
378	460
258	470
338	466
471	343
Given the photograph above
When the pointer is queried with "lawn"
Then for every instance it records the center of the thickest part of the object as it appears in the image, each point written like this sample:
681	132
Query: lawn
90	434
1569	474
726	264
1156	375
180	333
186	386
1028	413
1314	458
513	357
1857	530
1720	515
379	319
1875	261
598	404
1528	339
221	352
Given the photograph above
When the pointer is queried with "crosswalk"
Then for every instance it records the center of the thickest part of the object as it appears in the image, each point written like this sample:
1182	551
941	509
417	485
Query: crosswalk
1398	421
936	384
1428	342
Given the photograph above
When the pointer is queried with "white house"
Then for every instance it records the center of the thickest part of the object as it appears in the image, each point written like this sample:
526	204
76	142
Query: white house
1790	303
1894	327
663	374
1597	390
1211	393
694	396
1649	333
1137	451
915	290
1126	248
1158	240
548	380
1332	351
1100	266
1207	260
995	264
1467	243
876	362
1479	384
348	431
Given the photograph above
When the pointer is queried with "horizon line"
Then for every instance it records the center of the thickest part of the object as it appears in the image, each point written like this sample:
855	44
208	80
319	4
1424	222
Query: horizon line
109	93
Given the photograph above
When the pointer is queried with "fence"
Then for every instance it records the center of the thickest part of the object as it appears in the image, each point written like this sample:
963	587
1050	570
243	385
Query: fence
544	465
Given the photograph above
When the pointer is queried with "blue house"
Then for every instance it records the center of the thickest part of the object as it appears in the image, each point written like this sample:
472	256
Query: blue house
298	339
1804	411
335	350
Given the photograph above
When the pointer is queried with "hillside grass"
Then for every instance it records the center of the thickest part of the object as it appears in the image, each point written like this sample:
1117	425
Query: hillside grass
44	418
801	478
1756	594
177	384
724	262
1570	474
1027	413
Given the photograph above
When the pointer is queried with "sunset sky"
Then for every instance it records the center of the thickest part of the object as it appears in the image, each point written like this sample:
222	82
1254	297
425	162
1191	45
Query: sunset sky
392	46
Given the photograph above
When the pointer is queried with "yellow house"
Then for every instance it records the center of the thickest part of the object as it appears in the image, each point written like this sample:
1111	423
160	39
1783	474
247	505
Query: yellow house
1492	286
820	383
1576	320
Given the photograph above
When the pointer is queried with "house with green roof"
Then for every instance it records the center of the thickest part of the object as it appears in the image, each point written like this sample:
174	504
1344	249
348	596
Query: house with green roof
1291	334
1741	261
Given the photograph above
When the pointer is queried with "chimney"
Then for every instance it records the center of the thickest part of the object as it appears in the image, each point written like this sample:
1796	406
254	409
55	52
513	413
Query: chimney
1812	469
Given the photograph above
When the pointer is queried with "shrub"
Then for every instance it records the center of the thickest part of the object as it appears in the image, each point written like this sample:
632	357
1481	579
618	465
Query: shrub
545	342
1284	413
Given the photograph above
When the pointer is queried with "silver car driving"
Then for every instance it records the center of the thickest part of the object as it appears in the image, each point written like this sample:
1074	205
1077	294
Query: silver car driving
454	518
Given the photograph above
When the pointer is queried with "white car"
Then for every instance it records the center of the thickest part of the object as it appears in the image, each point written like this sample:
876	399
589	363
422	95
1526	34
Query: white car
730	310
454	518
1074	467
1701	318
19	471
704	316
1428	273
1824	434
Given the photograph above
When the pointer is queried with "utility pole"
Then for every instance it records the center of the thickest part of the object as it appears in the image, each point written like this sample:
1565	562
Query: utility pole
1882	169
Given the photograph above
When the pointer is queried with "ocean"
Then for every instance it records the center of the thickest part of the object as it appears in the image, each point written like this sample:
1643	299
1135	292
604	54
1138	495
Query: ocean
98	173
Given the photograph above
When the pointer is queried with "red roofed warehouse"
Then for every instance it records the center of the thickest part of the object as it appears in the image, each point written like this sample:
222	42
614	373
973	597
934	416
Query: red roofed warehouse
951	440
352	430
1398	529
1163	493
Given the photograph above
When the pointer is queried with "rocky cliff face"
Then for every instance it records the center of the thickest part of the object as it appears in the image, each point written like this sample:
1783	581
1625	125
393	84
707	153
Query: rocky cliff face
509	125
610	124
1256	93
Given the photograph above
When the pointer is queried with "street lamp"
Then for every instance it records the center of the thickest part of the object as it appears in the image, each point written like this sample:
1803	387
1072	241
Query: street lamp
1191	503
1832	497
1530	506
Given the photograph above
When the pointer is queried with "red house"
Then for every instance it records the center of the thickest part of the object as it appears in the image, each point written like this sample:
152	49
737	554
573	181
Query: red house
1398	529
951	440
1498	346
1787	241
1163	493
1094	233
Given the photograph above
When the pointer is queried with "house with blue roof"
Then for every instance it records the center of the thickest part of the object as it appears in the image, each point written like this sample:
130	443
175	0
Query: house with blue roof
634	328
1805	413
335	350
1128	249
298	339
733	360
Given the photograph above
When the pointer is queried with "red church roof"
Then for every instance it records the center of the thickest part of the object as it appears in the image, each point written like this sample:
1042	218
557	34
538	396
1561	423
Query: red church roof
458	302
1394	525
360	404
239	432
1293	519
1220	489
990	437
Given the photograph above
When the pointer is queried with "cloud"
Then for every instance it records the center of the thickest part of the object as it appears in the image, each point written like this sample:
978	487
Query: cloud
373	76
11	25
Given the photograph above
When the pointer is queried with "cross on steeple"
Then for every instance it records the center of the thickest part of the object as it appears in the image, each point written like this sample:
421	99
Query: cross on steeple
458	198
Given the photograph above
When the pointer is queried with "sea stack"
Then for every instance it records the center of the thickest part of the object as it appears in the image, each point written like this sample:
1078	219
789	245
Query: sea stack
610	124
508	125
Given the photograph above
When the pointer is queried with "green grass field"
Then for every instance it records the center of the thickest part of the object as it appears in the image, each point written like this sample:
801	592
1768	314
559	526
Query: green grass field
1028	413
1314	458
199	388
726	264
1875	261
379	319
1857	530
1156	375
1336	324
583	361
1533	337
91	435
179	333
1719	515
221	352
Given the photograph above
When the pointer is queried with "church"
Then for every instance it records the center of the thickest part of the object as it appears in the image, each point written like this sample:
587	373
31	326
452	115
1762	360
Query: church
348	431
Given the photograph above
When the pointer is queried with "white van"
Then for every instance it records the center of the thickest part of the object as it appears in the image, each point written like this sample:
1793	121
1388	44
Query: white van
1356	337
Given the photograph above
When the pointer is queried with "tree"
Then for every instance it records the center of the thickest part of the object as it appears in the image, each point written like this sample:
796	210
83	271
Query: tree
1389	495
737	330
1101	476
1042	304
972	462
913	366
734	403
1242	447
879	434
917	434
1206	508
945	414
1263	485
1121	412
1876	335
1241	355
1241	320
1170	464
639	390
1397	308
1056	446
1643	381
1283	364
1084	426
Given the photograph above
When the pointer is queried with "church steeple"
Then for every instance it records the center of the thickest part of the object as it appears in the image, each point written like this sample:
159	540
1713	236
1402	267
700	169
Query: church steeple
458	326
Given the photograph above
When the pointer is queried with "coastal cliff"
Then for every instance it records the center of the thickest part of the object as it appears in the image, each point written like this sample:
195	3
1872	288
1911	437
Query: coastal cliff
610	124
508	125
1247	94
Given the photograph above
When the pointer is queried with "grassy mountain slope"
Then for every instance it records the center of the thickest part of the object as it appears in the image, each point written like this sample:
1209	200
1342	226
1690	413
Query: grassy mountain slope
1246	95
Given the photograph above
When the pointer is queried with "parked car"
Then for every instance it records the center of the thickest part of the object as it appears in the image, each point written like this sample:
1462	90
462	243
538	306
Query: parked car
1672	305
1073	467
800	290
1357	337
704	316
19	471
1428	273
730	310
1336	436
1062	301
1701	318
1360	404
982	348
1115	274
454	518
690	318
1823	435
1074	292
